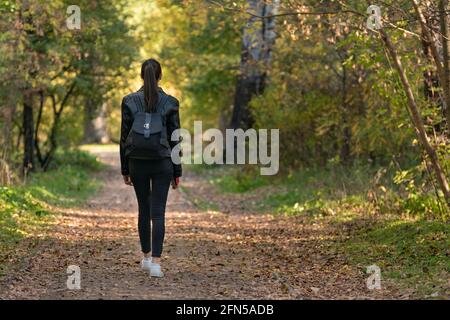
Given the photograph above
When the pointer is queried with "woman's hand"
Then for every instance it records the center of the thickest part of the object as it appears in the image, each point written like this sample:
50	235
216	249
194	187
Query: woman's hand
127	180
175	182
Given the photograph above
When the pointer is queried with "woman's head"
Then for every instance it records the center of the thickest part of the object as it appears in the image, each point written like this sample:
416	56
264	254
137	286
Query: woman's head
151	73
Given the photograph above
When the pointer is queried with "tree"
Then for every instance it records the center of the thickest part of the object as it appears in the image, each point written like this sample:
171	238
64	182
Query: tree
417	119
256	54
49	69
107	50
441	62
445	40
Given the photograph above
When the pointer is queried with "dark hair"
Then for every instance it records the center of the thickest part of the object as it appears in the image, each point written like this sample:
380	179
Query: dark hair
151	73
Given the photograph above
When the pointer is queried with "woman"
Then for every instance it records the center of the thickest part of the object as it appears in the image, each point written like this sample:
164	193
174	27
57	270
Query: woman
150	173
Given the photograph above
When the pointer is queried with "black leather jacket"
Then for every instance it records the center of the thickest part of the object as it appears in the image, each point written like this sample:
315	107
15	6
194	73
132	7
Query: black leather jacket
131	104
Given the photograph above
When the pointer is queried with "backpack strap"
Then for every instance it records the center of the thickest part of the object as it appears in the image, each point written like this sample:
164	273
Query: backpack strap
164	141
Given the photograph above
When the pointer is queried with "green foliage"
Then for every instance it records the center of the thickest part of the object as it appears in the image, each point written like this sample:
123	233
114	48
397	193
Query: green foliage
412	252
21	215
322	191
238	183
26	209
424	205
14	201
311	107
417	197
75	70
201	204
334	189
199	48
330	88
76	159
69	182
313	191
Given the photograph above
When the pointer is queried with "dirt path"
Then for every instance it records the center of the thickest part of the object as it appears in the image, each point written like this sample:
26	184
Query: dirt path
207	254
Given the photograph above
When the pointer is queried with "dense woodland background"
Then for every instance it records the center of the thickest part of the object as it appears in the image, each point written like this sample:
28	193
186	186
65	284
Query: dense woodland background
363	114
311	68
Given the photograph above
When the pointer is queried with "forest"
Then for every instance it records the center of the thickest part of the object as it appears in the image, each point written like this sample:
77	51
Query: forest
360	93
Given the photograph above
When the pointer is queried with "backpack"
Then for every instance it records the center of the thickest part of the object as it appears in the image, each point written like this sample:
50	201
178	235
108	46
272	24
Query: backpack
147	138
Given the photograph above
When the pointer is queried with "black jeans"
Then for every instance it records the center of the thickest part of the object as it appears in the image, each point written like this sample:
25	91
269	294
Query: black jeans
151	180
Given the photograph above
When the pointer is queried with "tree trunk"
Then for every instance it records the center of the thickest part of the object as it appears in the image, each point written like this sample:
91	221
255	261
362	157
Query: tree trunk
256	55
6	140
431	83
445	33
95	130
417	119
28	134
434	50
346	132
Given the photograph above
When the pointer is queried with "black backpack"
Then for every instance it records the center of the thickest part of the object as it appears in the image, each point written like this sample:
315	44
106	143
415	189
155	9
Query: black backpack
148	135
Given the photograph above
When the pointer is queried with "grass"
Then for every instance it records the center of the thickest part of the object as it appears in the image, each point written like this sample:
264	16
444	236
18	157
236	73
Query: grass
413	253
239	183
308	191
233	179
28	208
201	204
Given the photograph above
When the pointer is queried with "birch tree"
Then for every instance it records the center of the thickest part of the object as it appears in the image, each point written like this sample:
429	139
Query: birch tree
256	55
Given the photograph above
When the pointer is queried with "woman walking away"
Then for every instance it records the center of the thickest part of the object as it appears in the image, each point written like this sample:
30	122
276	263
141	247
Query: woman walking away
149	117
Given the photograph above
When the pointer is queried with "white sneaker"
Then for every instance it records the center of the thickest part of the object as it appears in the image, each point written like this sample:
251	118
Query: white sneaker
146	264
155	270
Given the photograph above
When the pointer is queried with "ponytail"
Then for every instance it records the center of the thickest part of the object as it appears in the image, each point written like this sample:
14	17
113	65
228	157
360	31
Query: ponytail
151	74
